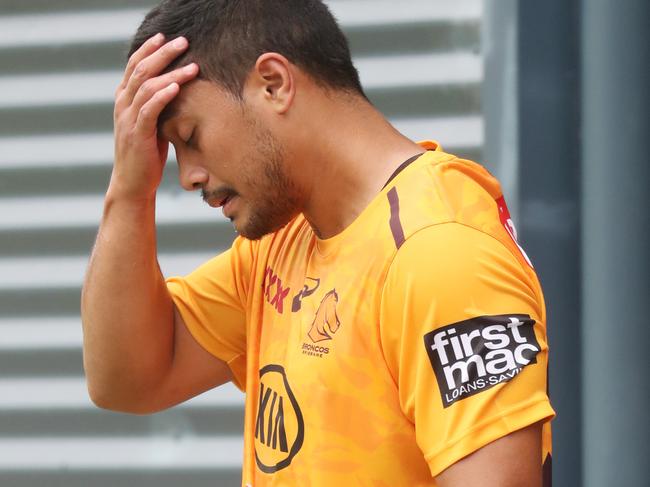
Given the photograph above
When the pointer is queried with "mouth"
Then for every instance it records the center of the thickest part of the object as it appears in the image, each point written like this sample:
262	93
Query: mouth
226	200
229	205
220	202
218	199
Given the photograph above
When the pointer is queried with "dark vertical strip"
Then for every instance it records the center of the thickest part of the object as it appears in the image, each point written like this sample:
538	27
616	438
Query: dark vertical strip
395	223
550	206
547	472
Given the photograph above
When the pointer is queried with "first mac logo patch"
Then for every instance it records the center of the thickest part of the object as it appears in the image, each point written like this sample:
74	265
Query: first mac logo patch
474	355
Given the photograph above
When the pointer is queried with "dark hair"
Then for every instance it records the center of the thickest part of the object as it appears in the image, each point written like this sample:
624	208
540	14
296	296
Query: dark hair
227	36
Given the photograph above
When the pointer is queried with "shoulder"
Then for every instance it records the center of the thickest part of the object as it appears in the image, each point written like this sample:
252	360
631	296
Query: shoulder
443	188
447	252
450	268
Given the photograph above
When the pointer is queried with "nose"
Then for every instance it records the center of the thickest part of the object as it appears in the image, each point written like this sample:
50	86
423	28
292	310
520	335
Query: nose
192	177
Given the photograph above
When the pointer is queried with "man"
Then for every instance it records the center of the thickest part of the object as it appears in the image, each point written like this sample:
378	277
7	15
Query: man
376	308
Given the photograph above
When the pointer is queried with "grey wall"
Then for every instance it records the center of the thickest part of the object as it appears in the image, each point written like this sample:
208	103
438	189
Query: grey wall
616	228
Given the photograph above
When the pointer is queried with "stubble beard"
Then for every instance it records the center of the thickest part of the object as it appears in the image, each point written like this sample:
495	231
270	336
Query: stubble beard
274	201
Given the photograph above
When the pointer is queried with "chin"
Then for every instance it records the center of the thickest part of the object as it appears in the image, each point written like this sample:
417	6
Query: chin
257	226
252	233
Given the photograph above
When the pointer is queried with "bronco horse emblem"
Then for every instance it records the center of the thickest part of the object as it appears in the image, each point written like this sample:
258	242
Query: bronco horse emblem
326	320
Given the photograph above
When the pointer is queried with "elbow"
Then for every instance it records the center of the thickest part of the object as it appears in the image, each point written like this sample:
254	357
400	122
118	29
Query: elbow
117	400
117	388
105	398
100	398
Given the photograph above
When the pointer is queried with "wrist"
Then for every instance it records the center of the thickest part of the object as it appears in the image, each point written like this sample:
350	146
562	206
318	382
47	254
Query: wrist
117	195
120	190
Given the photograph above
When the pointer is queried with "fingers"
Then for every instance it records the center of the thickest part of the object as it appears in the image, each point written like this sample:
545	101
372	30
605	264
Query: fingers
151	66
150	46
139	153
150	87
147	122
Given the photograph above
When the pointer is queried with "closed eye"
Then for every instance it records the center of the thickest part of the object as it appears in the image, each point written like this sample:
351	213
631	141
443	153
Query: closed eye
190	140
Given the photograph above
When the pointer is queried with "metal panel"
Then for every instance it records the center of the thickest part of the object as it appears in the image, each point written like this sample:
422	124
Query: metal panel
549	203
616	202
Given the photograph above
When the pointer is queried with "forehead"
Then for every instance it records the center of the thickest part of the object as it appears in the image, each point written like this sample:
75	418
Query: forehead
197	99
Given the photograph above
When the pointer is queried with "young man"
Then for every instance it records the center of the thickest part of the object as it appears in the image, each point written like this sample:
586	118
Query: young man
376	309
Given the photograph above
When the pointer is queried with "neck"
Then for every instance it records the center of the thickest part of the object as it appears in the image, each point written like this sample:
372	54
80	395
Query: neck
357	152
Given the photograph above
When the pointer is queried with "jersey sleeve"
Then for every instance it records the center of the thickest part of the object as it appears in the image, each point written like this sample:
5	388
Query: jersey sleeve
463	334
212	302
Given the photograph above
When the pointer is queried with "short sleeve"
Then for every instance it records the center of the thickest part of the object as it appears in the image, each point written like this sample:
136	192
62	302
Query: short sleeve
212	302
463	334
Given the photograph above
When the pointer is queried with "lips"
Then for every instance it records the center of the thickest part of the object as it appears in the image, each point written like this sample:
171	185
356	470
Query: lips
218	201
222	197
228	206
214	203
223	201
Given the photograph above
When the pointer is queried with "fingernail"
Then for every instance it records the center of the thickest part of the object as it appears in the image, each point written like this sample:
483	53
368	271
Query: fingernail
189	68
158	38
180	42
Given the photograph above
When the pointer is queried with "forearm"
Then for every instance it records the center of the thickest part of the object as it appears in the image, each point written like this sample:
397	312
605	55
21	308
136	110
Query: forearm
127	313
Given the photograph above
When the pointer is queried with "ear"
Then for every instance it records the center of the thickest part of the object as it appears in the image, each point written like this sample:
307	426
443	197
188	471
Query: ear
274	77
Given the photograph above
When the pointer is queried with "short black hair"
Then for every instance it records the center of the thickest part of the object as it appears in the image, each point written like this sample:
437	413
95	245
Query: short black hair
226	37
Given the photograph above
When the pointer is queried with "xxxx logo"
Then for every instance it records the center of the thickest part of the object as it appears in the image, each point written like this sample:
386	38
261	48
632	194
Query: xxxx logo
274	292
326	322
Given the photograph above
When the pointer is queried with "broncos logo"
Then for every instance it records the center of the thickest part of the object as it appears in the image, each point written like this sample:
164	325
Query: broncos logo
326	320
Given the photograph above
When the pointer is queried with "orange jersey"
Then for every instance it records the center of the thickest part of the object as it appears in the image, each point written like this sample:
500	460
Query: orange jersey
380	356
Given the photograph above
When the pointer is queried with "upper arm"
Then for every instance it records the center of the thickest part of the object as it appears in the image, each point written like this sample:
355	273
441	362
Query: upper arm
193	370
510	461
463	333
209	326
